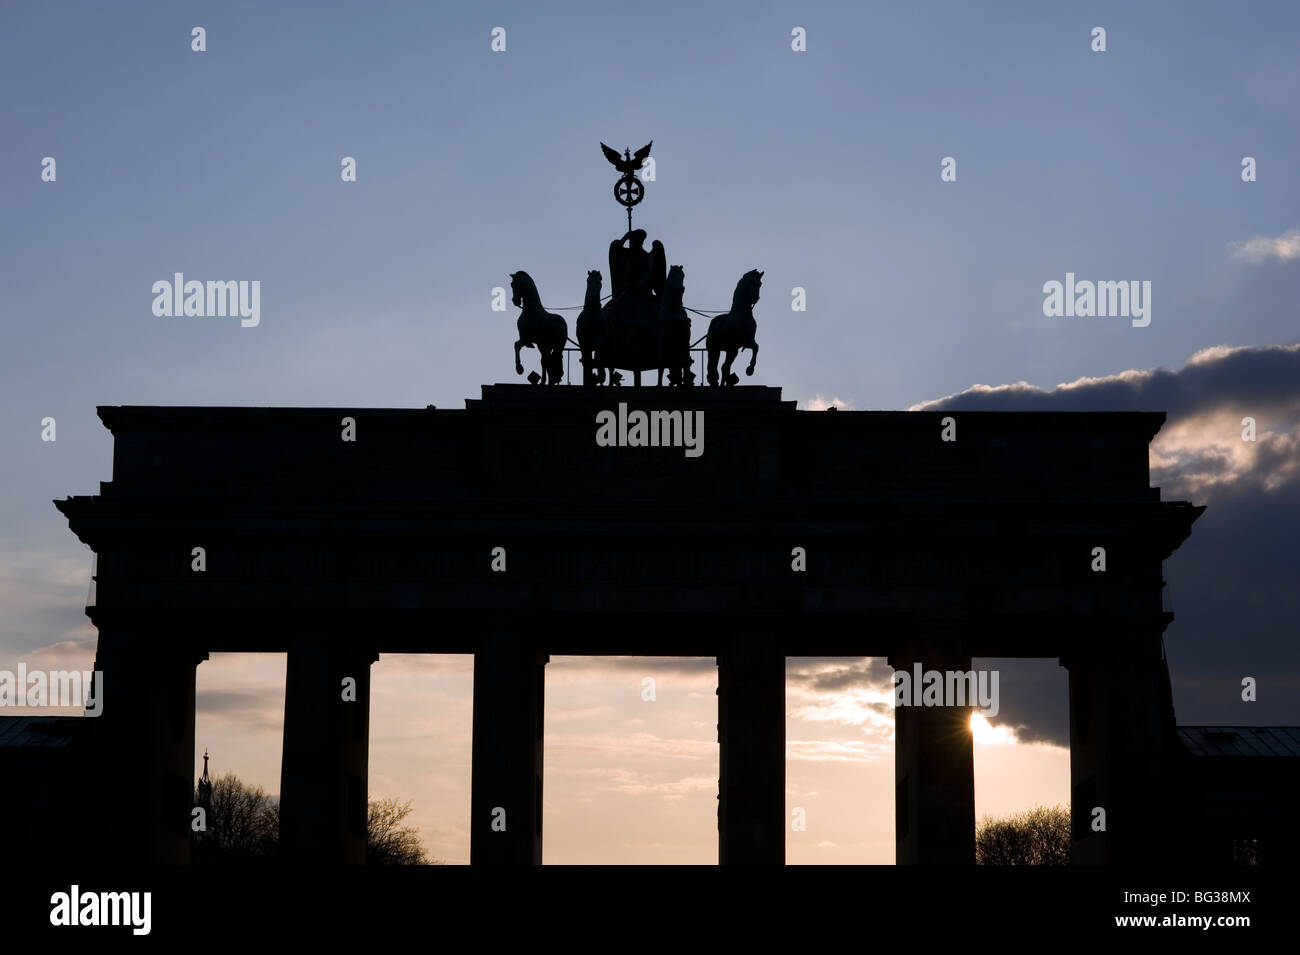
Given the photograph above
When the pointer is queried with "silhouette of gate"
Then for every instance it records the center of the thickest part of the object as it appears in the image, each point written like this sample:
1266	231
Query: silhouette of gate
505	530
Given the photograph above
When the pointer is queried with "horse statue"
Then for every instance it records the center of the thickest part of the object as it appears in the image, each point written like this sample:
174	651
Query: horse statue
675	330
734	330
538	328
590	330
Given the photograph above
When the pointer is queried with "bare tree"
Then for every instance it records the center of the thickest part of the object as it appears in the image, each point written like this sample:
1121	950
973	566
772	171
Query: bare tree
388	842
1038	836
242	825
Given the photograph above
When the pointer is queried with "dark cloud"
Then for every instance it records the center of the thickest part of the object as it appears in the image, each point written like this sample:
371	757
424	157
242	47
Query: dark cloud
1234	593
1222	377
1232	584
829	675
252	708
1033	698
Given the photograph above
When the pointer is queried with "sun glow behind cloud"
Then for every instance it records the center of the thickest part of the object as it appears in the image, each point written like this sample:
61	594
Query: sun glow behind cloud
986	734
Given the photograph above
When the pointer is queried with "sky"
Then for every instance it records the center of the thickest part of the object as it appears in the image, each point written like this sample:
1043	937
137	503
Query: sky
821	167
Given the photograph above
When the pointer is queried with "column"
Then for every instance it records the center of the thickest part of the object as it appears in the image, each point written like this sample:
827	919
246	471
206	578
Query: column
506	786
143	743
934	767
324	767
1122	739
751	738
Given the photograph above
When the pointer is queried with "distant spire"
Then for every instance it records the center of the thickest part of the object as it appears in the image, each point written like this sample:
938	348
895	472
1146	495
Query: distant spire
205	784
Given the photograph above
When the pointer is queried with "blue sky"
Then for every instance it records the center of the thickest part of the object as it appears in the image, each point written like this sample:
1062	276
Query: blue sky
822	168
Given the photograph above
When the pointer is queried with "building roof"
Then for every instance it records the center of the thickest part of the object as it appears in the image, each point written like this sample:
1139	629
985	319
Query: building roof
47	732
1241	740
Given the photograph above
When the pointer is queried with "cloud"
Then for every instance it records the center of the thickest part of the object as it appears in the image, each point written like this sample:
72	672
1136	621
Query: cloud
1245	376
669	789
853	693
820	673
584	713
818	403
692	671
43	592
1200	449
251	710
989	734
857	693
837	750
648	745
1033	699
1231	584
1261	248
66	654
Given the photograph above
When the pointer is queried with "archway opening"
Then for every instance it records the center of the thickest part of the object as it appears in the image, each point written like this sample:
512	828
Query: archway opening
631	761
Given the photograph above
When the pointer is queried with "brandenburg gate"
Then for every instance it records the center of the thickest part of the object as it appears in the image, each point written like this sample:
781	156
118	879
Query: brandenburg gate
506	530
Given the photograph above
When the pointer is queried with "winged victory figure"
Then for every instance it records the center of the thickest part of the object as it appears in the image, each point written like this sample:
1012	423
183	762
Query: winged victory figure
627	166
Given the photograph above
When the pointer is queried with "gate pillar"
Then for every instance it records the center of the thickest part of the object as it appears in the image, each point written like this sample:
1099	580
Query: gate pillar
323	771
934	768
506	787
751	737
